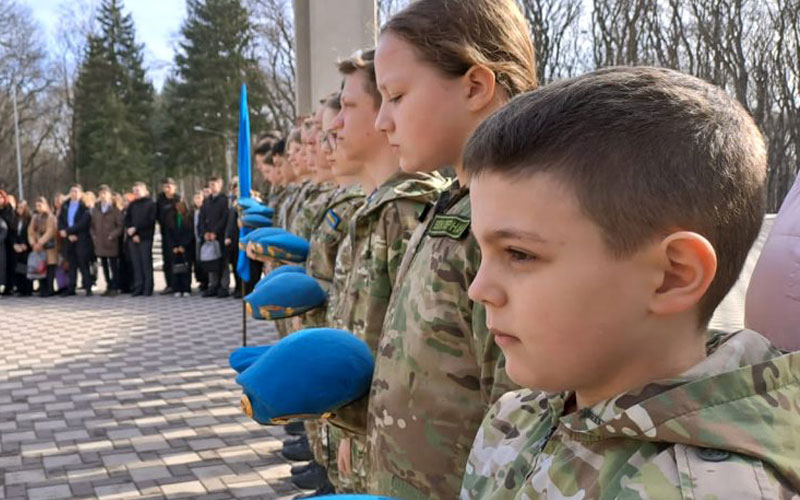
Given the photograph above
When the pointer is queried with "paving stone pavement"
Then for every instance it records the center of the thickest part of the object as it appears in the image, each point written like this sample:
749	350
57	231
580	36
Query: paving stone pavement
117	398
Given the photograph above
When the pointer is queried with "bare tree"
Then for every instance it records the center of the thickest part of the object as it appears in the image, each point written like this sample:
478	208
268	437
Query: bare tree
24	67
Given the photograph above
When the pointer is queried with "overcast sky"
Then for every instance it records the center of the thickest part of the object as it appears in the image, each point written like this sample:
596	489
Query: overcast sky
157	25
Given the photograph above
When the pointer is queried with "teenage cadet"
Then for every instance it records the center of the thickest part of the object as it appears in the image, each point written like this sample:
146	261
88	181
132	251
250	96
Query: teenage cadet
437	369
614	212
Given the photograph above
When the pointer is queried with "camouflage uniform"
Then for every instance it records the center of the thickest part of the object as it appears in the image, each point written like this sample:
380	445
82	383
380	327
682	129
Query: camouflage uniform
283	202
371	253
437	368
276	196
727	428
324	243
297	201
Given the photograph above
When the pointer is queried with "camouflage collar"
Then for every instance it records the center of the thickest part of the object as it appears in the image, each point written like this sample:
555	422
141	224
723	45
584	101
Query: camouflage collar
403	185
740	365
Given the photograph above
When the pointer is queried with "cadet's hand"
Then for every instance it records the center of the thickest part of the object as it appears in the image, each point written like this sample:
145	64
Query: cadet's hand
136	239
227	242
131	231
343	457
63	233
72	238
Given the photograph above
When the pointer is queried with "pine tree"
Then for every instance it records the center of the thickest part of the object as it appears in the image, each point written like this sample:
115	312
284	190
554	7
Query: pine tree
113	105
215	57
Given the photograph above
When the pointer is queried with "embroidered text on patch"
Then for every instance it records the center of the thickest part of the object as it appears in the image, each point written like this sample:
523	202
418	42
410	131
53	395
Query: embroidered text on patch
452	226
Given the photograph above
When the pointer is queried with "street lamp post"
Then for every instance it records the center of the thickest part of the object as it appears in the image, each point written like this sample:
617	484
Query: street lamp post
201	129
16	139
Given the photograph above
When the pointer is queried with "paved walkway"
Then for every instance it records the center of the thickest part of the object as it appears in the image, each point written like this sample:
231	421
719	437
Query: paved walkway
129	398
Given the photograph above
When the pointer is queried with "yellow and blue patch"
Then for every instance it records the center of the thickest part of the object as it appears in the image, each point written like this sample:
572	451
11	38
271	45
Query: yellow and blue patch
333	219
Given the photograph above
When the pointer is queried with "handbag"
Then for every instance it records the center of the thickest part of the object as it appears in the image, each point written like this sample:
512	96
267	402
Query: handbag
180	266
37	266
210	251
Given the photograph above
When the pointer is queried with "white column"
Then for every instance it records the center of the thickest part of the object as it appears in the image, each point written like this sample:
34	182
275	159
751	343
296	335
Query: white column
325	31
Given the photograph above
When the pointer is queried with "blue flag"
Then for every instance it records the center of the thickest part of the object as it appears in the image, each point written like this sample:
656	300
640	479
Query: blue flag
243	264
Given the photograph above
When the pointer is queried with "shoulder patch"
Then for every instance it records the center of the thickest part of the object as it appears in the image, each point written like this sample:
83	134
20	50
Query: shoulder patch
451	226
333	219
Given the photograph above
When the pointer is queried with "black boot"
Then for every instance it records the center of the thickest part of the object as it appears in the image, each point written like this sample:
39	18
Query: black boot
299	469
296	428
298	451
314	478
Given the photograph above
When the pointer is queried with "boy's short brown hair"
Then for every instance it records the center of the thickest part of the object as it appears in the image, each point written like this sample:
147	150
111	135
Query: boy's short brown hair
647	151
363	60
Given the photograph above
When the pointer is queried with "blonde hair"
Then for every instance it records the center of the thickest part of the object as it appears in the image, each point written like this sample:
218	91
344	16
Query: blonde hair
89	199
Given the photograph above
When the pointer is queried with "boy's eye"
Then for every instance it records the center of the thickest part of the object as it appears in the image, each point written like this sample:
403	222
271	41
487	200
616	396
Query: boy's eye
519	256
395	99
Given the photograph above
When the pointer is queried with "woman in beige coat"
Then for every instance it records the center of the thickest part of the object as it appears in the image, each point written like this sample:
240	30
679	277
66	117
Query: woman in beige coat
42	233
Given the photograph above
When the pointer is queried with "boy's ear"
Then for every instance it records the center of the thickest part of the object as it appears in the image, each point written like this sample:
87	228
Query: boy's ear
689	264
479	82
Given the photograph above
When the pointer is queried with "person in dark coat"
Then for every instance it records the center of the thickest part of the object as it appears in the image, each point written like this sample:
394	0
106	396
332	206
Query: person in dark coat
140	222
213	223
107	227
181	234
21	247
7	250
165	214
232	240
73	226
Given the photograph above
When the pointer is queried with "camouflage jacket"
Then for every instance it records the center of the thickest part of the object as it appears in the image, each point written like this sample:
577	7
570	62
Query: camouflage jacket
377	236
297	201
324	245
282	202
727	428
310	212
437	368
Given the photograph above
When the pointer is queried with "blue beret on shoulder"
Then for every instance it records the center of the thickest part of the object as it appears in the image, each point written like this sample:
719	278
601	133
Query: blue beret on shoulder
259	210
309	374
245	203
286	295
256	221
283	246
241	358
258	233
278	271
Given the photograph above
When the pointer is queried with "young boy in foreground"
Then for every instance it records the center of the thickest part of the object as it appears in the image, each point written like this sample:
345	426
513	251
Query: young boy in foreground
614	211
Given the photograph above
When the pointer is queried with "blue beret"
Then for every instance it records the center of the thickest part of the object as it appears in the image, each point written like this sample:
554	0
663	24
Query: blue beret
245	203
260	210
241	358
258	233
256	221
283	246
309	374
278	271
286	295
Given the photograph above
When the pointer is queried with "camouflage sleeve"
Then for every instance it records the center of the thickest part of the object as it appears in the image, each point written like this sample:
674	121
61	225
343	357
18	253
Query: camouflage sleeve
501	455
399	222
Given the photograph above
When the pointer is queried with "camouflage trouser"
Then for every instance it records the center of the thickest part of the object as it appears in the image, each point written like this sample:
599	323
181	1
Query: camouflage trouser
282	325
356	482
317	439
